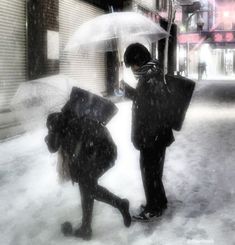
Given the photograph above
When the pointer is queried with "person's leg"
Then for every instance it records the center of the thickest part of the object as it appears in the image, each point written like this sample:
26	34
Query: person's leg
151	165
87	203
102	194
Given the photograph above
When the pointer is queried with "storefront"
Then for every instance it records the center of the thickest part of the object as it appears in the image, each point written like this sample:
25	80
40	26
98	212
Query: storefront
12	49
216	49
33	37
88	69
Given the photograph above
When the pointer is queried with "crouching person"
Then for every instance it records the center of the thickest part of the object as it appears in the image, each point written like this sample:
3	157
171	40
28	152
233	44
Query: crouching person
87	151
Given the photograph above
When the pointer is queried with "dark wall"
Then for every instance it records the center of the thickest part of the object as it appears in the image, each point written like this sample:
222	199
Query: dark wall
106	4
172	49
112	74
41	16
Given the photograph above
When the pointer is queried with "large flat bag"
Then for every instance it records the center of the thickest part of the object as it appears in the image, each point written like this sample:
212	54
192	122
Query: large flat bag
180	94
83	103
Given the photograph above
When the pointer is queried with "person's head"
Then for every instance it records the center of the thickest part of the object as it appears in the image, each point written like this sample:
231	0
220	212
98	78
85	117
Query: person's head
136	55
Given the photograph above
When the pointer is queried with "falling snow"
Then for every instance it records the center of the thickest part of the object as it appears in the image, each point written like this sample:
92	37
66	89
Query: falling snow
199	179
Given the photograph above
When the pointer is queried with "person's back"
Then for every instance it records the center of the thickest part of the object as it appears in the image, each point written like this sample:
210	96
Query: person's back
149	106
91	146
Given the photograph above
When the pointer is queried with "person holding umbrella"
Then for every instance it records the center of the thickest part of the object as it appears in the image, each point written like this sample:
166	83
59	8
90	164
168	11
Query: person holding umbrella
150	132
86	150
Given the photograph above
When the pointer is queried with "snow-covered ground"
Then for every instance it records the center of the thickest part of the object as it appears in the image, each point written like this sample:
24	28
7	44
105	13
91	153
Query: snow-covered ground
199	177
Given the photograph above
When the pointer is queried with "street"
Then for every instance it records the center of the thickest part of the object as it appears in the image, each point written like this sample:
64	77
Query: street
199	178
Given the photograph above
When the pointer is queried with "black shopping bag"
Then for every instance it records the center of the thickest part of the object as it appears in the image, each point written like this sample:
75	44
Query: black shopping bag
83	103
180	93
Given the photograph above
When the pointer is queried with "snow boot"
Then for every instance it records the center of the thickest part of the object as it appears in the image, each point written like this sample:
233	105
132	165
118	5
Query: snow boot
124	209
83	232
67	228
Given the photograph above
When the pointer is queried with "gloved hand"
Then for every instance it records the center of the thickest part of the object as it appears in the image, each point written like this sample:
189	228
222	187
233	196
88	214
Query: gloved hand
120	89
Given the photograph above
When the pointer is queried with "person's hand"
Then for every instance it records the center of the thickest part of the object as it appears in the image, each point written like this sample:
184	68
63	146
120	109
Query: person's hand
122	85
119	90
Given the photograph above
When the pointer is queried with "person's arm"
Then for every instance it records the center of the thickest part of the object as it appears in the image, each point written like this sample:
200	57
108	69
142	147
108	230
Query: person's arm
130	92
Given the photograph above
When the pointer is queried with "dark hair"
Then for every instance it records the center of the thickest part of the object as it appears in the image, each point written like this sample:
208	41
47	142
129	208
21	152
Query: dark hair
55	121
136	54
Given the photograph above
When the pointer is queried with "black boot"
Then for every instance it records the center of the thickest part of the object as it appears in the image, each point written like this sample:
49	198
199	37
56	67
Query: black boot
124	209
67	228
83	232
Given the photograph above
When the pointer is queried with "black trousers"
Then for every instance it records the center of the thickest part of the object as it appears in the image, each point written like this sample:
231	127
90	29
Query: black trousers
90	191
151	166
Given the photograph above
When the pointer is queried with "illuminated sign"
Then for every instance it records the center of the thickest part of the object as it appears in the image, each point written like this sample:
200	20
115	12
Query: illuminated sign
223	37
208	37
189	38
229	37
217	37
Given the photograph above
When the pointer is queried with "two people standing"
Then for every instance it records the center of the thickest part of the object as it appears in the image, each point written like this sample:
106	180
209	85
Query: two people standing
88	150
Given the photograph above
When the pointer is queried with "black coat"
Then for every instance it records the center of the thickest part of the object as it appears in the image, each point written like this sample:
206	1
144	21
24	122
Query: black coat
148	123
86	145
90	147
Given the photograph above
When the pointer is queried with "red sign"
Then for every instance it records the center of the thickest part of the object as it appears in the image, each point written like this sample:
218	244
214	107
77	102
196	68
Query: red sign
189	38
229	37
218	37
223	37
214	37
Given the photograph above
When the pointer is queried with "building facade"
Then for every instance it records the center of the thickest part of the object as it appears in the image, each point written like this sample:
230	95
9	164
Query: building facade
207	35
33	37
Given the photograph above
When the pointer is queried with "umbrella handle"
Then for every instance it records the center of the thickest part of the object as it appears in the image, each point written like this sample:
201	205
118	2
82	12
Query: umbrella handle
120	63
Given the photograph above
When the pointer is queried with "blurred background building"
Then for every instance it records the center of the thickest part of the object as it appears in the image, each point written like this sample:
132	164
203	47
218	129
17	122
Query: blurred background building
207	38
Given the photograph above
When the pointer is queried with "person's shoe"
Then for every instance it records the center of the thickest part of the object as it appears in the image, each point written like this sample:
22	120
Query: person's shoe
147	216
67	228
147	208
84	233
124	209
142	207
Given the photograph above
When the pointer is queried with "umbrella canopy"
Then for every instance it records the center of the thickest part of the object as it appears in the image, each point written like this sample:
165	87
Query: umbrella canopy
35	99
110	32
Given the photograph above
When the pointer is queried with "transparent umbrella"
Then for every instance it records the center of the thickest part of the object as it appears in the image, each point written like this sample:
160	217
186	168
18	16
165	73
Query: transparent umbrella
35	99
112	31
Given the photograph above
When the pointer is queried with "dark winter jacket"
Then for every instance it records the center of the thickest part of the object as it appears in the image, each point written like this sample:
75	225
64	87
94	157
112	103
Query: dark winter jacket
148	123
91	146
86	144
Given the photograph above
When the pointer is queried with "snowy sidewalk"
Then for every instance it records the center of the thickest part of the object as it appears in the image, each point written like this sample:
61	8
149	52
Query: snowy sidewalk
199	177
